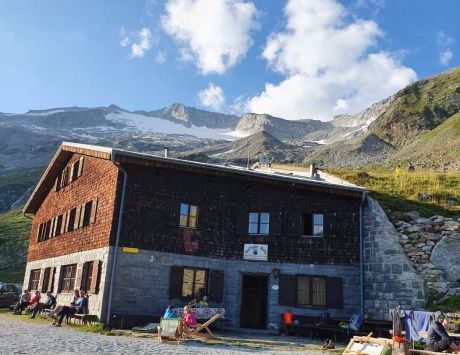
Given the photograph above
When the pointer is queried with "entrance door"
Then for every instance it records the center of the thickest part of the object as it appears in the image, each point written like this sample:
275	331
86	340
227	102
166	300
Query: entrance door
254	302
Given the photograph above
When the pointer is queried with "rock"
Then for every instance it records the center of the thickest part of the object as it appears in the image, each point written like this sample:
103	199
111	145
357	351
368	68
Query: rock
430	236
427	248
414	229
435	217
451	226
420	245
413	215
423	196
403	237
445	255
403	224
422	221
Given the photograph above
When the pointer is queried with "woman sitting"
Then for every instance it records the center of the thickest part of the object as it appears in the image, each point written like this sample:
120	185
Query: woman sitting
188	319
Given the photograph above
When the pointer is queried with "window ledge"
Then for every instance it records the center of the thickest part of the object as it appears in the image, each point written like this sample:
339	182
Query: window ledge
311	236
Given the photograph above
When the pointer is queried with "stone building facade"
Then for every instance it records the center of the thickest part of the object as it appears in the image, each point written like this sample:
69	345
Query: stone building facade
140	232
256	243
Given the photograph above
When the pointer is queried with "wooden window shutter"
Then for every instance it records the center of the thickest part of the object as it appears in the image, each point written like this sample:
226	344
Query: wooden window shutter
63	222
82	216
216	285
56	184
93	211
80	167
72	168
39	231
288	290
94	287
61	277
77	218
294	224
334	292
50	286
45	280
66	222
84	276
276	220
242	221
78	278
176	276
30	280
50	234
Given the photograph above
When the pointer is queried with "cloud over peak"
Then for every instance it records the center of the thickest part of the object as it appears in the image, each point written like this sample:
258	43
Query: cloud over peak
212	96
214	34
325	56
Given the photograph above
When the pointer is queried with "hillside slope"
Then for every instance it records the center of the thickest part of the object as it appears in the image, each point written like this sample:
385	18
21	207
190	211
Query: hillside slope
418	108
438	149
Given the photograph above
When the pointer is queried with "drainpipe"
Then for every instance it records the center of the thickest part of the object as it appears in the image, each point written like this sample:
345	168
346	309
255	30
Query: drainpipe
361	252
117	239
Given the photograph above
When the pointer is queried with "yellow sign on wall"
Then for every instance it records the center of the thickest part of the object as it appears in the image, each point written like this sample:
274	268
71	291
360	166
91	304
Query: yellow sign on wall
130	250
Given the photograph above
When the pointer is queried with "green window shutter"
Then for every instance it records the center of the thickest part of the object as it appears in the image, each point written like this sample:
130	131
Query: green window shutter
216	285
287	290
176	276
334	292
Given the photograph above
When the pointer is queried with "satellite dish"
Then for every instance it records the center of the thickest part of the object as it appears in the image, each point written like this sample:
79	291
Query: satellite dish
264	160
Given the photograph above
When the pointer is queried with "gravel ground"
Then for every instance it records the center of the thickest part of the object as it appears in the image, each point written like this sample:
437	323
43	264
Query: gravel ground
18	336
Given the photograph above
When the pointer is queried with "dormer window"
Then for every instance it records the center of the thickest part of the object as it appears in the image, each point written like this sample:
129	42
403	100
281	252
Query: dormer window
188	216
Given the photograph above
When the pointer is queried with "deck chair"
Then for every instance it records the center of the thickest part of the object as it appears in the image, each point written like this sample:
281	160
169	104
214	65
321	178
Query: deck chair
169	328
195	332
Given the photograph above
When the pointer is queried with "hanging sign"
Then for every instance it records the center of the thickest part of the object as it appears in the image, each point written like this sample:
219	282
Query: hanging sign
255	252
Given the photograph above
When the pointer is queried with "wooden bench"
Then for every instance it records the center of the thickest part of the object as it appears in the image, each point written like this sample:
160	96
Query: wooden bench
85	318
417	351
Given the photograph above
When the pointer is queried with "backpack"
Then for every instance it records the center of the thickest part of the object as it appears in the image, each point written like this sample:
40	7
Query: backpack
356	322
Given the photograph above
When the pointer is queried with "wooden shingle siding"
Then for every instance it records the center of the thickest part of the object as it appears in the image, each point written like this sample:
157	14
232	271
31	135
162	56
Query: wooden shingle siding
98	181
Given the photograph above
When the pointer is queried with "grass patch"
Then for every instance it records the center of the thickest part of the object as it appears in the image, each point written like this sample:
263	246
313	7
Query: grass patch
447	305
14	239
399	193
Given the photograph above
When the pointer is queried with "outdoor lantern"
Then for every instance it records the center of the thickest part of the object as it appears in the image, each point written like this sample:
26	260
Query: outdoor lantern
276	273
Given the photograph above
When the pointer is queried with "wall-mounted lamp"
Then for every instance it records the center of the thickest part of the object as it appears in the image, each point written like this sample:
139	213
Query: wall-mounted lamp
276	273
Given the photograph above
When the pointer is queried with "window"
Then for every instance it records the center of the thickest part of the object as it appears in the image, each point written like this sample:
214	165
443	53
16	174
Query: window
69	174
68	277
188	216
86	213
76	169
63	181
34	279
194	283
313	224
311	290
259	223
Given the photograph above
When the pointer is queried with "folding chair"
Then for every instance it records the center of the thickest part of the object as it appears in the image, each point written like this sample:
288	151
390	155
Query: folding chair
169	329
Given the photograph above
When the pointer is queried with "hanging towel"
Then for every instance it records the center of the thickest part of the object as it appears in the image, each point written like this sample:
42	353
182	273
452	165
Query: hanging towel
416	322
397	316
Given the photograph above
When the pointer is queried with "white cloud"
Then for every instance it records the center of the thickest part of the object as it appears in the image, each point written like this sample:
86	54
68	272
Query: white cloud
139	42
144	43
445	56
325	57
445	53
161	57
443	40
212	96
214	34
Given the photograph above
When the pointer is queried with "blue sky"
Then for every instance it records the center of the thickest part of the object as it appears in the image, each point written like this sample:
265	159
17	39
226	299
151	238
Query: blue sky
295	59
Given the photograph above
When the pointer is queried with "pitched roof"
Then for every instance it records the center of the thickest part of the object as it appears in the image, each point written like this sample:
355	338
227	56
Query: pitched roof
67	149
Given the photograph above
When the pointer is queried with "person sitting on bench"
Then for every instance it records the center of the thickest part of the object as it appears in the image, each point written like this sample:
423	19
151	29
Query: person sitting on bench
23	302
50	302
79	306
437	338
34	301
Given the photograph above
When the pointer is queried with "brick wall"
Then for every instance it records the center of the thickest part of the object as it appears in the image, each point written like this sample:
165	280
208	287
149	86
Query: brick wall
152	216
98	180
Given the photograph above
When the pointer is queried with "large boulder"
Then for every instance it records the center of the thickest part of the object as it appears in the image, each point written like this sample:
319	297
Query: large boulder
446	255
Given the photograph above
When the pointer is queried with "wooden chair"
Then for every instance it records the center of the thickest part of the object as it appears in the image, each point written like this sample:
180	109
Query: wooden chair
196	331
169	328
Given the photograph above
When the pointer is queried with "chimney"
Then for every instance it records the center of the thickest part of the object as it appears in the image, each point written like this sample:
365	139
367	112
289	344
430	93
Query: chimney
166	152
313	170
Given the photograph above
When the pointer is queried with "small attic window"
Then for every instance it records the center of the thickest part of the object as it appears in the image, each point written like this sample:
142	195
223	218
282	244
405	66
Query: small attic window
69	174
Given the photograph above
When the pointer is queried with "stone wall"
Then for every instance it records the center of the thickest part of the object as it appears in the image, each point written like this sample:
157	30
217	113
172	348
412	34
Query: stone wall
433	246
389	277
142	284
97	302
